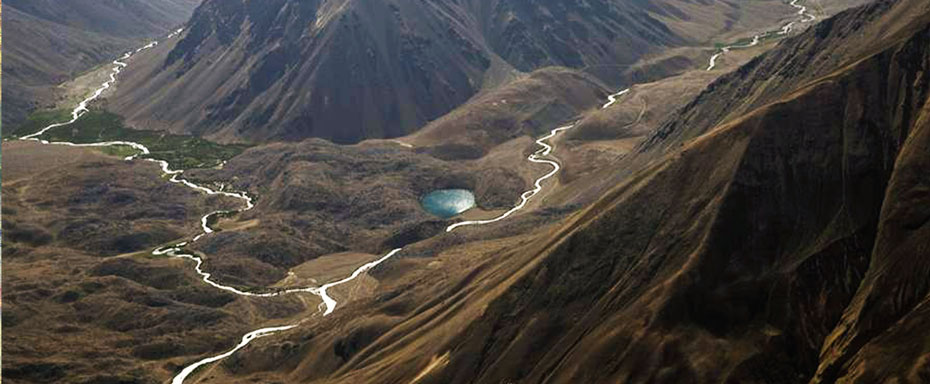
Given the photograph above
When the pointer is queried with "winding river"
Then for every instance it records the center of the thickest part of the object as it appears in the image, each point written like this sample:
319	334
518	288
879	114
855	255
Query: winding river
328	304
804	17
612	99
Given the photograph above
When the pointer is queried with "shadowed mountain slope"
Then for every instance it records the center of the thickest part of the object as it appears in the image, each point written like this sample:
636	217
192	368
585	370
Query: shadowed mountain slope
348	70
735	258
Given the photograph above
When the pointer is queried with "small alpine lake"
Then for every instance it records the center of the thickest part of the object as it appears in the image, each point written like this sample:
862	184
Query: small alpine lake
447	203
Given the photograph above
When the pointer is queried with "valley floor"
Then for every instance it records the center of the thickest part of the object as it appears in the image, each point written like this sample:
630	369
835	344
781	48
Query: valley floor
99	250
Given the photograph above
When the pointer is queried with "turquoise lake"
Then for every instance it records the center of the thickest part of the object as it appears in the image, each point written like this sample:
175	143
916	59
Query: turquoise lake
447	203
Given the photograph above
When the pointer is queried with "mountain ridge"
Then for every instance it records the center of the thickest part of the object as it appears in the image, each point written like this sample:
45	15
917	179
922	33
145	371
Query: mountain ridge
388	76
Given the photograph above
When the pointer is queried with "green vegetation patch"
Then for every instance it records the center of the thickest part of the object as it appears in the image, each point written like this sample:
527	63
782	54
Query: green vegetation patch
180	151
119	150
38	120
744	42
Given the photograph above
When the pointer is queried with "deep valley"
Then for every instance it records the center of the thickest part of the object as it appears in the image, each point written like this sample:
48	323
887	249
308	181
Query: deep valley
665	191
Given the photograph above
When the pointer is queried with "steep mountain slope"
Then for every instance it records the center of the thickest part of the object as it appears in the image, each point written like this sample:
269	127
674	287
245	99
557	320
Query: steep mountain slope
756	236
349	70
836	42
49	42
881	333
786	245
876	337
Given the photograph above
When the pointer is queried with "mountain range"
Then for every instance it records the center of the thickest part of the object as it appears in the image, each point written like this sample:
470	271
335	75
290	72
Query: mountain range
256	70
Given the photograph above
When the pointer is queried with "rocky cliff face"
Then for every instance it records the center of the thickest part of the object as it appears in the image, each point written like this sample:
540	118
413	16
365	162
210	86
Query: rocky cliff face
348	70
